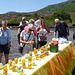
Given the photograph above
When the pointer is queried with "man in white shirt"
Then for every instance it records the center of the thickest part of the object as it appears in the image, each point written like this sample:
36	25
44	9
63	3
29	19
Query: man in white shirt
37	22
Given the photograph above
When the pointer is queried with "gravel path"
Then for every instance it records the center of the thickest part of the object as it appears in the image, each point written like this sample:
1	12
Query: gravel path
14	53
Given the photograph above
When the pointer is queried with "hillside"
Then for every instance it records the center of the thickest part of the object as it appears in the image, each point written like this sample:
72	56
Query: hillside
12	12
64	6
49	13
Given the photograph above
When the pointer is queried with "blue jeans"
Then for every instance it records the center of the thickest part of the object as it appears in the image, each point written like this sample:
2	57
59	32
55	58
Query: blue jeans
66	37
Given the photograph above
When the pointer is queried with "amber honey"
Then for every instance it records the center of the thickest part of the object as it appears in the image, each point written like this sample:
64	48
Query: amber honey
18	69
42	49
41	56
5	68
33	63
46	44
42	52
5	73
19	60
30	53
21	72
34	49
13	69
23	61
47	53
10	67
35	52
30	62
16	60
13	63
30	58
10	62
37	57
48	48
24	66
30	66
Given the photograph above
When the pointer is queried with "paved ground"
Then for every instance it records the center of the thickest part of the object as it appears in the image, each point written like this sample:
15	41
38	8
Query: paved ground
14	48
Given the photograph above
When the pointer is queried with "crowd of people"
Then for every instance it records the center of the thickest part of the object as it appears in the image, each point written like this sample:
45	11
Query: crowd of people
31	34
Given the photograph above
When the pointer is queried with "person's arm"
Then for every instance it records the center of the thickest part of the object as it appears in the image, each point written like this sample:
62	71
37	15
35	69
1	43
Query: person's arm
55	31
48	31
54	34
25	42
68	31
9	39
21	40
9	45
38	28
19	30
66	28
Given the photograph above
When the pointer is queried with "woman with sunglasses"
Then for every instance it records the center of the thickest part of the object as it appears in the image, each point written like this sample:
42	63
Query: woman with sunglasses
26	39
31	21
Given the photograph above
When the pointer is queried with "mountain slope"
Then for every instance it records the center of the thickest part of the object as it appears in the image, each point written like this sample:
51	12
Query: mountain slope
69	7
12	12
66	6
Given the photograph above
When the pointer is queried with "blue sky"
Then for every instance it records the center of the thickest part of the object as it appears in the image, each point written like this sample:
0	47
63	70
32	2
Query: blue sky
25	5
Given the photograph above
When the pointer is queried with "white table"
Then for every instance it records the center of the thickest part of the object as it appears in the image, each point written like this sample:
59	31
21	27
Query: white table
41	62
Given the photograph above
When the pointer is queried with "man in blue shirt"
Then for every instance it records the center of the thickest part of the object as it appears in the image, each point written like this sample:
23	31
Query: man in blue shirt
62	29
5	41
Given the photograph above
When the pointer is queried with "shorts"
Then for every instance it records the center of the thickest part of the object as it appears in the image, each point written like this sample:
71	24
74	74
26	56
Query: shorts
34	45
20	49
42	43
4	48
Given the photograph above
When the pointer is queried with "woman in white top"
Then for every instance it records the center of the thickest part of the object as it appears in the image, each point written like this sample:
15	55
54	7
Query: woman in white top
42	31
26	38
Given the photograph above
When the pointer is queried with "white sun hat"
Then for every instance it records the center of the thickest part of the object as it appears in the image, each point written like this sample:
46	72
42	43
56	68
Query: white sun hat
57	20
30	26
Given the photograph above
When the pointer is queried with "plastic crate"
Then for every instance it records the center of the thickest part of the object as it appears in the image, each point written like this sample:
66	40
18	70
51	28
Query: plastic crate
54	48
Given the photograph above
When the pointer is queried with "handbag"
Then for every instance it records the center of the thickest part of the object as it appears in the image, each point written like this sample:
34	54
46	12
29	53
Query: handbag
21	48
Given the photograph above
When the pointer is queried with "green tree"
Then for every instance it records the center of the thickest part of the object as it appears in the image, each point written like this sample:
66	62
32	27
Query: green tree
73	19
14	21
36	15
62	15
